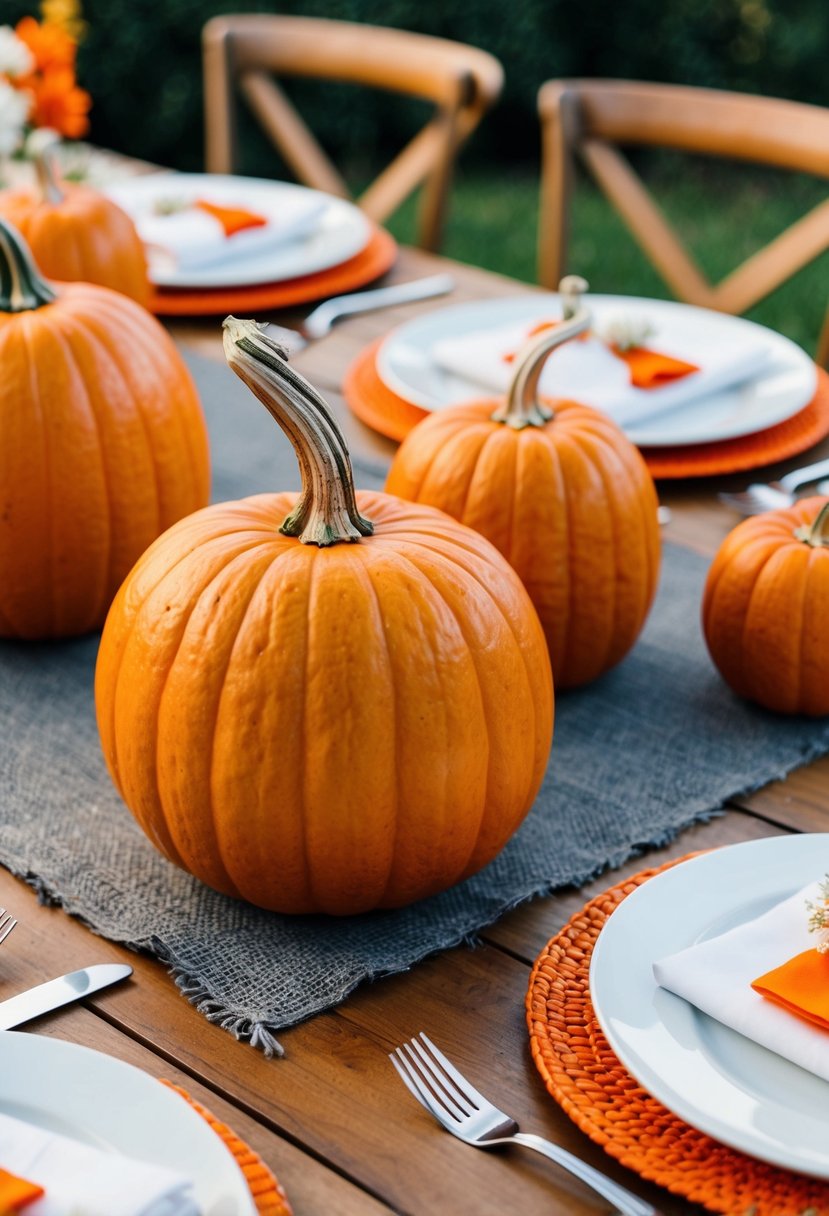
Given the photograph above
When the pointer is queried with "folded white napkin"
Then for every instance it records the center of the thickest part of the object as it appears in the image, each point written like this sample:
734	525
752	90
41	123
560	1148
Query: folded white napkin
79	1178
589	372
716	977
192	239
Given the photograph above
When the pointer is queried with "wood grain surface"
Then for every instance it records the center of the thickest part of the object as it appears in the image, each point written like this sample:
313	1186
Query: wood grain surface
331	1118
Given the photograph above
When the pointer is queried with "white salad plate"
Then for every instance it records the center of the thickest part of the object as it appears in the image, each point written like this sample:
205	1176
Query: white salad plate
339	232
785	383
112	1106
720	1082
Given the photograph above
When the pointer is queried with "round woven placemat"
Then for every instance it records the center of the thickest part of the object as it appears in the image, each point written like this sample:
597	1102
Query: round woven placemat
605	1101
383	410
366	266
267	1194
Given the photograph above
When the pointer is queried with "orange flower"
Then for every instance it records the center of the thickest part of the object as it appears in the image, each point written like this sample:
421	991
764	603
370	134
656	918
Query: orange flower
59	103
50	45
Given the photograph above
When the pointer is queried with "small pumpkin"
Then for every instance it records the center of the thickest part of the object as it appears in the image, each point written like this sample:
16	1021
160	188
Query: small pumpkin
102	445
766	605
561	492
77	234
324	702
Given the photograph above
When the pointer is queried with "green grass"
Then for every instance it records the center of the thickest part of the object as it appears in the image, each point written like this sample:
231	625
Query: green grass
723	213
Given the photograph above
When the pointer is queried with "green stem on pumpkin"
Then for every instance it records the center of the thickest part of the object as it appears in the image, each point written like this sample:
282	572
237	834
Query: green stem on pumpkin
816	533
21	286
326	513
522	407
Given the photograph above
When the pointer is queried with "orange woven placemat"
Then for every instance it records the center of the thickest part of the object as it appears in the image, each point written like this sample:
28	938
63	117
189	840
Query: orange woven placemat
384	411
267	1194
377	257
590	1084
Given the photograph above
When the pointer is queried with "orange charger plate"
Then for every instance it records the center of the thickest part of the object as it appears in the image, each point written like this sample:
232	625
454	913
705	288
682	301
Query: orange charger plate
369	264
588	1081
383	410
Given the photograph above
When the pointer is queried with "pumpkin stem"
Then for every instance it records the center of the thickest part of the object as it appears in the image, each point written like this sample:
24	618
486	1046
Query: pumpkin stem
816	533
522	407
21	286
326	512
46	169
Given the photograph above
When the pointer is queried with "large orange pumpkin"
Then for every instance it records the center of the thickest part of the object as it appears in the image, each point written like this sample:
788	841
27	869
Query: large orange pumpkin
766	607
102	445
76	234
561	492
323	702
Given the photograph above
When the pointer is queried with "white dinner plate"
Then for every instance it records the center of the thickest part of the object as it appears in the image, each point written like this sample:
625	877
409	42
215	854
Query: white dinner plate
341	232
715	1079
787	384
112	1106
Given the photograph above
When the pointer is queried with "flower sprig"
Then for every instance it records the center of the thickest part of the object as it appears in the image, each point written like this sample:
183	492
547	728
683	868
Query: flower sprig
819	916
37	76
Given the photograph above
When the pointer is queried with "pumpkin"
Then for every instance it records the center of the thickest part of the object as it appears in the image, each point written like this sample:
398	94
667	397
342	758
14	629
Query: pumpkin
76	234
766	605
324	702
102	445
561	492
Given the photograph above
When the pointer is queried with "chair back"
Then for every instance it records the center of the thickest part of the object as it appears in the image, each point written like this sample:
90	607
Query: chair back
592	118
251	51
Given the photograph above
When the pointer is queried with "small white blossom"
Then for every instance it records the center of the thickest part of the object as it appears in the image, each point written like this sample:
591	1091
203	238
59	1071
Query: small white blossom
819	916
15	57
14	110
626	331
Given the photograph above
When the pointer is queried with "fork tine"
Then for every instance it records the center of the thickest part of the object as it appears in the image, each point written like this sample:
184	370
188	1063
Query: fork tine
7	923
418	1089
437	1076
431	1079
469	1090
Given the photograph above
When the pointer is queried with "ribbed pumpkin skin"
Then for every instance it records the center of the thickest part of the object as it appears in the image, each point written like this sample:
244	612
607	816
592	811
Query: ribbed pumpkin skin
765	611
571	506
84	238
325	730
102	446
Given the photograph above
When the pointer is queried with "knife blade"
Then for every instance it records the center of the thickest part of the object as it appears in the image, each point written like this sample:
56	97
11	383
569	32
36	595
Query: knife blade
67	988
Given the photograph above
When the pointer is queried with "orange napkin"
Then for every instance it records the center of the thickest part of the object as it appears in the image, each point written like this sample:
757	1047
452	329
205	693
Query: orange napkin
16	1193
648	368
232	219
801	985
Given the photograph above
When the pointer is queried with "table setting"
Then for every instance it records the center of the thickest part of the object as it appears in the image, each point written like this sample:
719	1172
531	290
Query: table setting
352	793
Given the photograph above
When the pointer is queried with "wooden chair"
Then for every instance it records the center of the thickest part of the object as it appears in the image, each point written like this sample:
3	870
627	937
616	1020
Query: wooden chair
591	117
250	50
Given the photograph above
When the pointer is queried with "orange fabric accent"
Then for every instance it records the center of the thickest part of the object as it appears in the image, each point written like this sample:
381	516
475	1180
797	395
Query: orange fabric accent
377	257
800	985
16	1193
587	1080
650	369
384	411
232	219
268	1195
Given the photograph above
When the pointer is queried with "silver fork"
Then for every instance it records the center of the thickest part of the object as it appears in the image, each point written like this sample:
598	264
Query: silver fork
467	1114
7	923
776	494
320	322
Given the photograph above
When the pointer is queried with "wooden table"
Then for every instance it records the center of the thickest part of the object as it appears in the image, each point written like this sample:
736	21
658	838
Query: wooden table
331	1118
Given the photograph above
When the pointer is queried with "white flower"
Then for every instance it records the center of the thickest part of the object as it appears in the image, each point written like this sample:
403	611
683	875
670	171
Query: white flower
626	331
14	110
15	57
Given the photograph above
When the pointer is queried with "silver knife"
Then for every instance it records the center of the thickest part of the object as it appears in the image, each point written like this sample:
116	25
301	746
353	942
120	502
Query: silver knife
51	995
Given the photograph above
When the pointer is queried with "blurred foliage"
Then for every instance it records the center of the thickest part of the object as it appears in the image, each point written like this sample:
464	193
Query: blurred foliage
141	62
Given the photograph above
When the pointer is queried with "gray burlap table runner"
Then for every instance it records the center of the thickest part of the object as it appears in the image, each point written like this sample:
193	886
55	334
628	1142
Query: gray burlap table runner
654	746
